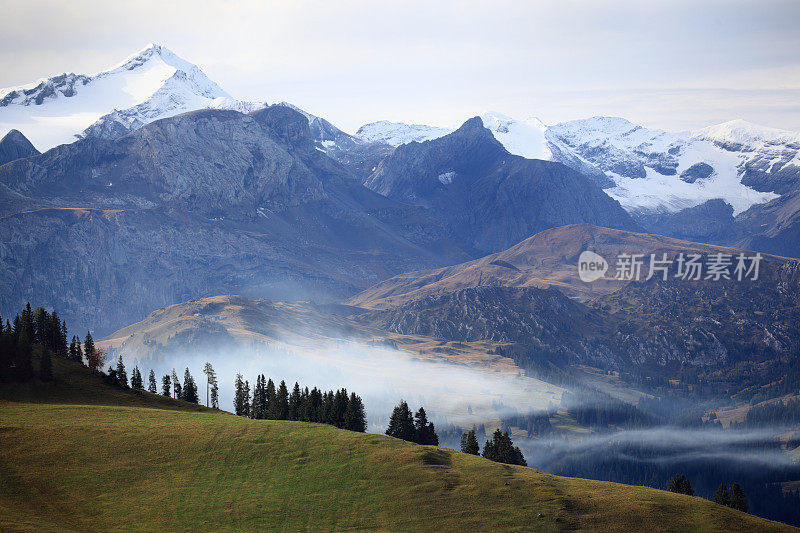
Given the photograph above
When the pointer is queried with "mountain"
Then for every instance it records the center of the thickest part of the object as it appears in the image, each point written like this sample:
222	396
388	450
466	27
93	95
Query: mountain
508	297
212	201
486	197
358	154
397	133
153	83
671	183
14	145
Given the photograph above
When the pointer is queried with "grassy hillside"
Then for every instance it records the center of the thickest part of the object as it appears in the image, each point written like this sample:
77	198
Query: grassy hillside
132	464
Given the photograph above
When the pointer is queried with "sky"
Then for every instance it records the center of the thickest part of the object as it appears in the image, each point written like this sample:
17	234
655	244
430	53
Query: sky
675	65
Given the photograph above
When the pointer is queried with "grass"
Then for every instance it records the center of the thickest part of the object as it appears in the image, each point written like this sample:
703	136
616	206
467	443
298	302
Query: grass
128	464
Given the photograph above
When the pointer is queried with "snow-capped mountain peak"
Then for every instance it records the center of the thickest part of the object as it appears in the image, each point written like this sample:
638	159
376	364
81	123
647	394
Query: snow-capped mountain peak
397	133
519	137
153	83
746	133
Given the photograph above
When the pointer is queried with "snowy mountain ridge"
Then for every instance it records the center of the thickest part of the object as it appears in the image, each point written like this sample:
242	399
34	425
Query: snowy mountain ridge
151	84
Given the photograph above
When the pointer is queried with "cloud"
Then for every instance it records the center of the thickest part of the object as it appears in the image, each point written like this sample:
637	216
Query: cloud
355	62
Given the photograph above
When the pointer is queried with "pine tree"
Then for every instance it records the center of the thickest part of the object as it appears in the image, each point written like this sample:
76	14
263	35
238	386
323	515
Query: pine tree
246	398
88	346
211	378
41	326
95	358
283	401
305	401
721	496
166	386
680	484
272	408
238	397
469	443
327	413
214	394
78	357
152	386
122	375
401	423
313	406
176	386
189	388
136	379
339	408
355	418
259	407
502	450
62	339
738	500
294	402
424	432
73	350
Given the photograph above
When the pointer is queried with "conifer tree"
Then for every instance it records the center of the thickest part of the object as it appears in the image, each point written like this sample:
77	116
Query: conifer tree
41	326
313	406
680	484
401	423
273	410
122	375
305	400
152	386
738	500
211	378
136	379
500	449
283	401
721	495
62	339
189	388
258	408
294	402
166	386
424	432
327	415
239	397
176	386
88	347
214	394
78	350
73	350
469	443
246	398
340	401
355	418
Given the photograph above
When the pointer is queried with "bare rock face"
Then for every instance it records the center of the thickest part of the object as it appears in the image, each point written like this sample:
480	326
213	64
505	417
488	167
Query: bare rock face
488	198
14	145
203	203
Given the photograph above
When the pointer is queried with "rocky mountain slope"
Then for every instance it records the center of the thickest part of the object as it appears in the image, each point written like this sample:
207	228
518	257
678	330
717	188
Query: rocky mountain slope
511	297
488	198
732	184
14	145
211	201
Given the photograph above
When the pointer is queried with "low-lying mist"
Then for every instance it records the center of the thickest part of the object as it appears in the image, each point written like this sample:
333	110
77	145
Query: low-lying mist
454	393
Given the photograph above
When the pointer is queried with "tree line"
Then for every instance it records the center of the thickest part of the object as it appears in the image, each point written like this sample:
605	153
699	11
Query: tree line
499	448
36	334
171	385
268	402
733	496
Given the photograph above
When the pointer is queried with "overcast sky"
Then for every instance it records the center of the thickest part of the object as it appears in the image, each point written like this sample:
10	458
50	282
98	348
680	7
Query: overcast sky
675	65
